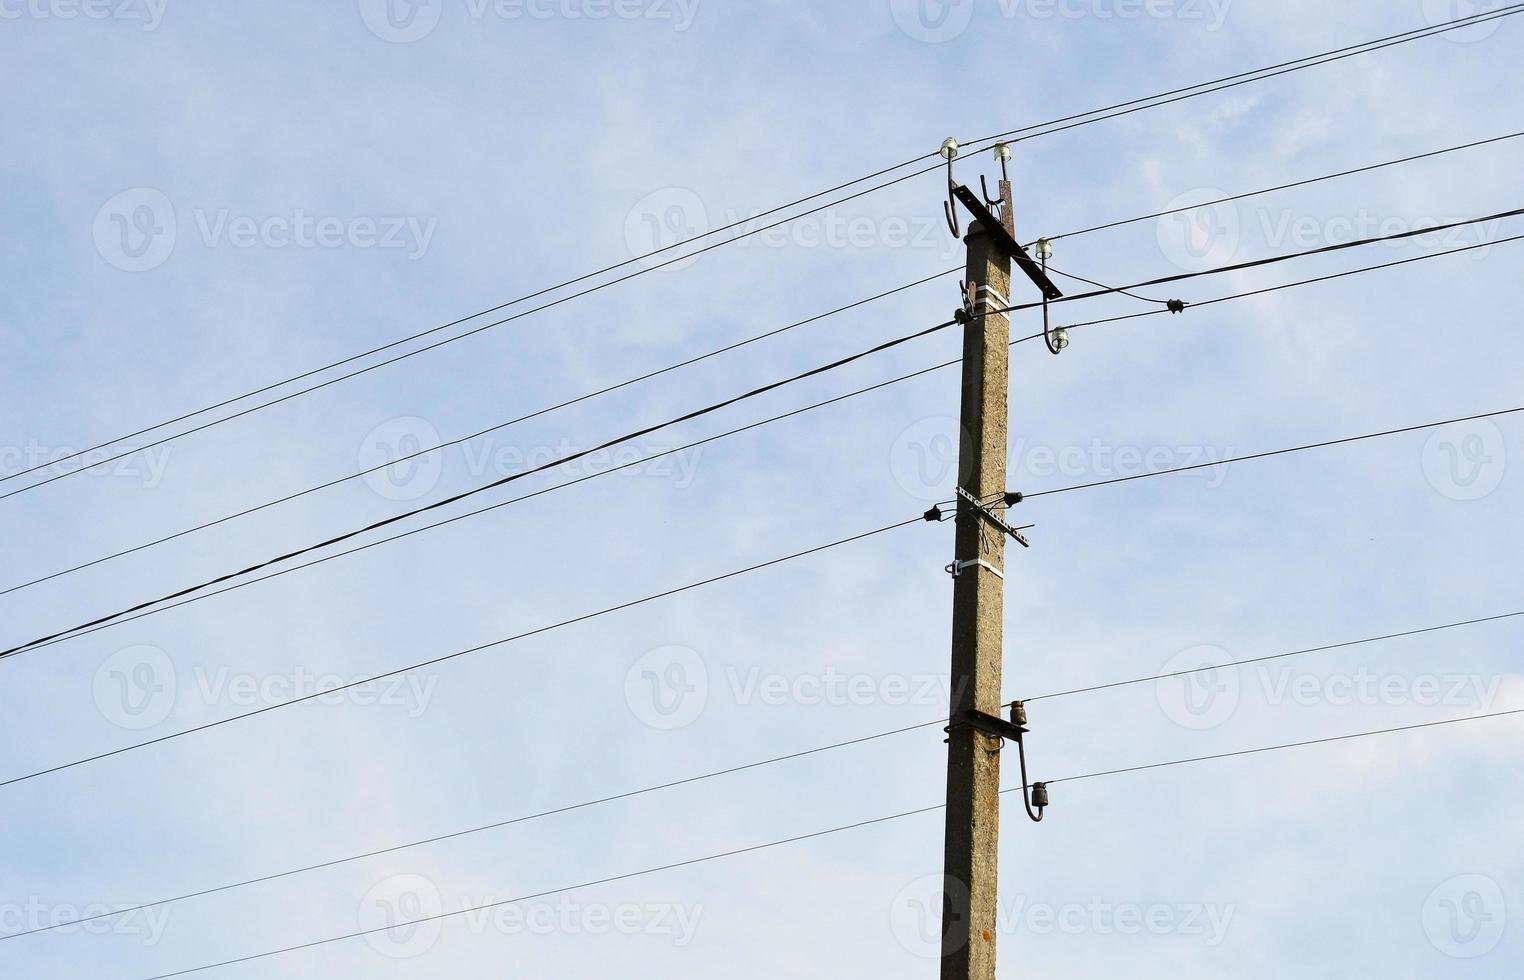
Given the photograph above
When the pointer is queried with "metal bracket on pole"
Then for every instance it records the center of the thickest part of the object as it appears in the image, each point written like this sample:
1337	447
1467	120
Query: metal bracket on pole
992	517
1007	242
1034	795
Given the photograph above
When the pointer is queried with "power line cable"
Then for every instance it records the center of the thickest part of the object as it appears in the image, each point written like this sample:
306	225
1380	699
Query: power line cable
1284	187
558	811
469	650
504	481
1311	61
1276	259
1135	105
1278	452
475	435
1199	304
1291	745
391	849
581	398
127	615
1366	641
810	836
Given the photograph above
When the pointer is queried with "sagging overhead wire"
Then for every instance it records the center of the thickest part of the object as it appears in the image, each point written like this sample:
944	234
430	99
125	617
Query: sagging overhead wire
475	435
1028	132
454	913
834	746
1283	187
138	611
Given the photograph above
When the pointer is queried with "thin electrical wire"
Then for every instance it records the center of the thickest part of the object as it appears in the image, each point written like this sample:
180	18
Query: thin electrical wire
1282	187
1273	71
1207	88
72	634
1199	304
585	397
1365	641
475	435
393	360
1277	452
537	631
504	481
1092	282
737	769
558	811
805	837
1275	259
1292	745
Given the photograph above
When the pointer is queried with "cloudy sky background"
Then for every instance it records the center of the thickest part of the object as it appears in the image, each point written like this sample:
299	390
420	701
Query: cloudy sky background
515	151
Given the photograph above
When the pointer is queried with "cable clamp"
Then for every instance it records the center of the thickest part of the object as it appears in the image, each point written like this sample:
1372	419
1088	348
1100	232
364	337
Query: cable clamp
959	567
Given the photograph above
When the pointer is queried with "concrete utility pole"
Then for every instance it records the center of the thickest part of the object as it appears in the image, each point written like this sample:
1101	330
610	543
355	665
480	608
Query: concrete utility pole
977	732
973	757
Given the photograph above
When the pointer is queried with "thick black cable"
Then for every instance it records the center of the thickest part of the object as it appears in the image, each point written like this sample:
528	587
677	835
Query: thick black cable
1272	260
581	398
1207	89
803	837
1196	305
558	811
469	650
475	435
504	481
514	500
126	616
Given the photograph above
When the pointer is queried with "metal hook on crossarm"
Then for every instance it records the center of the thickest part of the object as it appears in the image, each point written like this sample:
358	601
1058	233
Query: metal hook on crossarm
1034	796
1058	339
949	152
997	204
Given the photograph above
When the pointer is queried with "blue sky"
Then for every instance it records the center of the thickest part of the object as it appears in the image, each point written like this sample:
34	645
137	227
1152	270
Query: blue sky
202	199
